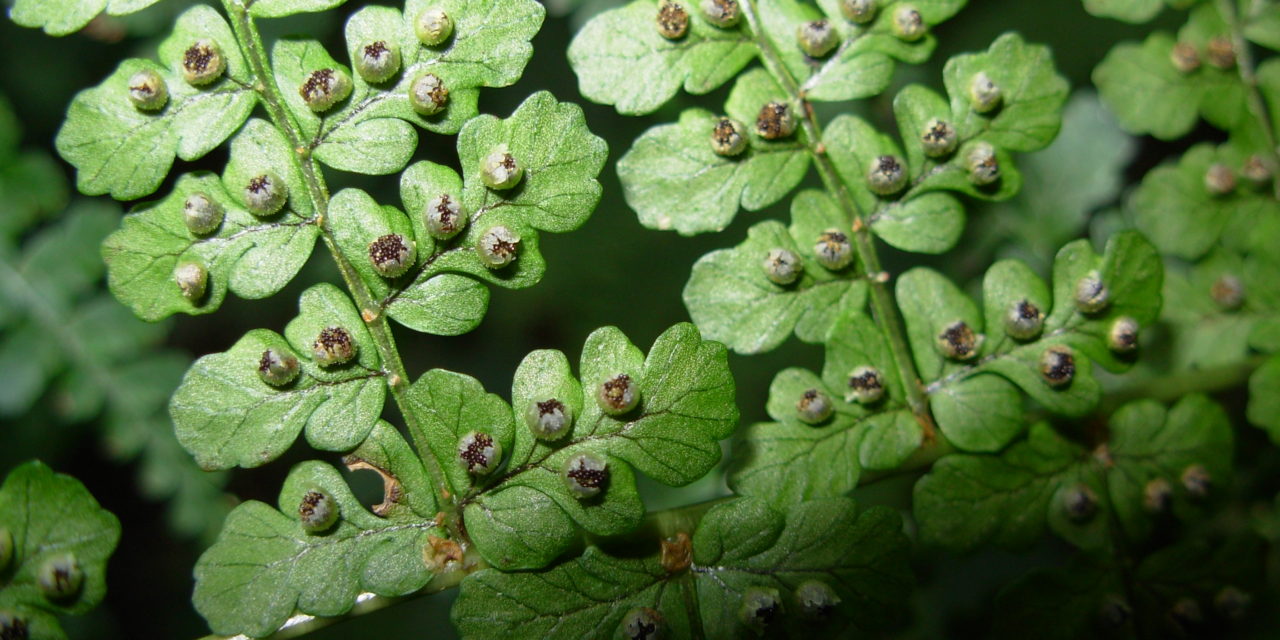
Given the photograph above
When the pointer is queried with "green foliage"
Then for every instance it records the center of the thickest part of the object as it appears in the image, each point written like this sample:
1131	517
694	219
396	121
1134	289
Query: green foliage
1087	594
226	415
686	407
1011	498
860	553
914	368
265	564
51	517
976	405
1128	10
61	17
1150	94
255	257
121	150
1066	390
1175	208
729	298
672	166
250	230
1212	213
63	338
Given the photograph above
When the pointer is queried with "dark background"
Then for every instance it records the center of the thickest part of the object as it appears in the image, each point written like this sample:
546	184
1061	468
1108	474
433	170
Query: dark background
612	271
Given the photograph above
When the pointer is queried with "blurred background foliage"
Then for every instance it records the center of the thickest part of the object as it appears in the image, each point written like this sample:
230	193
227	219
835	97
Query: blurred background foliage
84	386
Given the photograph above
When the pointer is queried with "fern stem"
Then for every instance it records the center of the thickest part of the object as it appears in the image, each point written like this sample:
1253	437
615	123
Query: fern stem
397	378
1248	75
883	307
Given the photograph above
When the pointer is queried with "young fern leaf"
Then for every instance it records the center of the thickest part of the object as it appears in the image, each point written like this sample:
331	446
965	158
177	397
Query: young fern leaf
522	515
1213	213
125	151
55	541
252	257
962	393
621	59
1218	309
267	563
1143	470
795	458
730	296
227	414
1149	93
673	178
740	549
1176	208
974	398
370	131
655	171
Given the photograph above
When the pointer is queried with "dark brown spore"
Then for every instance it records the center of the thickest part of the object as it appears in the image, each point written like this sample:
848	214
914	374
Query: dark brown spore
197	58
889	165
376	50
144	88
502	248
388	249
549	407
318	85
673	20
264	363
835	241
1157	495
615	390
589	478
724	132
823	611
15	629
439	95
961	339
1060	368
259	184
869	381
1220	52
912	19
988	166
307	508
335	340
1126	339
1080	503
474	454
508	162
937	133
766	614
771	123
448	220
1027	310
645	631
1185	57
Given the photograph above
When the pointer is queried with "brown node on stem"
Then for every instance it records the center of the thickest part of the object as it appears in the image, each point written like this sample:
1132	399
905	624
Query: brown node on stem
440	553
677	553
392	490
